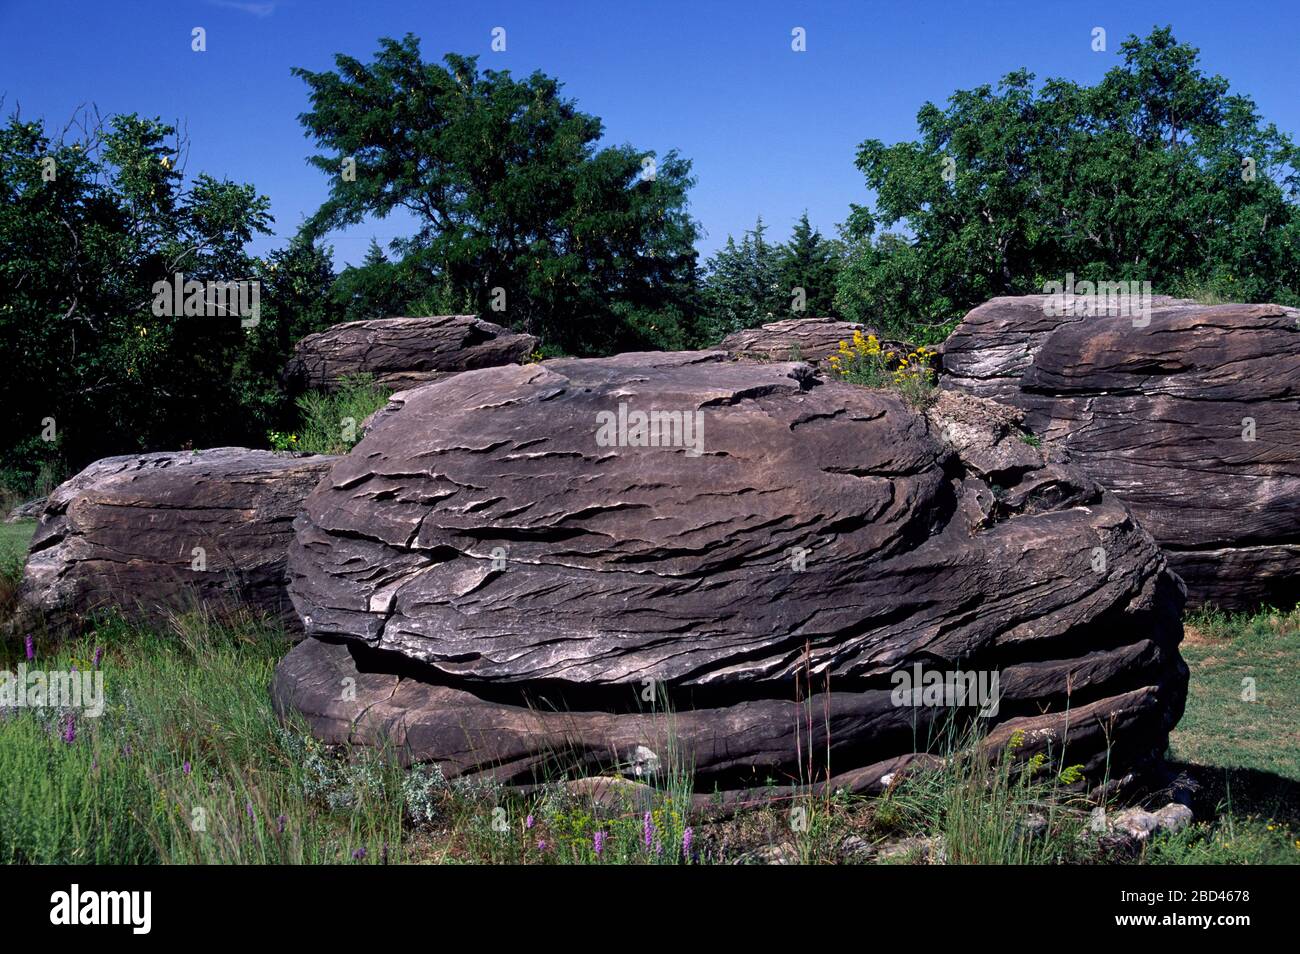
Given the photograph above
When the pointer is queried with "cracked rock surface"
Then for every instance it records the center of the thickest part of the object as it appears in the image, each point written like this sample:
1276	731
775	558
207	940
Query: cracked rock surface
499	591
124	532
1193	420
802	339
404	352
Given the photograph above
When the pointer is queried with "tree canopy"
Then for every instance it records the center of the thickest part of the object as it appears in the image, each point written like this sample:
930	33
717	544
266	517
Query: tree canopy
1156	173
520	211
754	281
525	216
90	219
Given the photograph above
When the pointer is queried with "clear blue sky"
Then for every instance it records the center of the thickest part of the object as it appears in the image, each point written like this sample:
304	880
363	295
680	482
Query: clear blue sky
771	131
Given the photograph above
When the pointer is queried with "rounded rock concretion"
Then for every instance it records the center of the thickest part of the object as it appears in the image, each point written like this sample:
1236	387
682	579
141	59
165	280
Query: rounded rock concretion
524	567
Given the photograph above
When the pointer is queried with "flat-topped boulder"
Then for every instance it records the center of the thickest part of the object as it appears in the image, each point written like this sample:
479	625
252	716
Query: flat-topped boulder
404	352
148	533
1190	414
794	339
519	567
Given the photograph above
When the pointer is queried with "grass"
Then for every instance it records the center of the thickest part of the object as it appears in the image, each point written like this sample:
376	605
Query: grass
866	363
1244	707
1217	291
330	422
1239	739
14	538
188	764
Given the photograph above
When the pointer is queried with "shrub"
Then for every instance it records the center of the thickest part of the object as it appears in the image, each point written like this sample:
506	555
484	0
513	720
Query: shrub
331	423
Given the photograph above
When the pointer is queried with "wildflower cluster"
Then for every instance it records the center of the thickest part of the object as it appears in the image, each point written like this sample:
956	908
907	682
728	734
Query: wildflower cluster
282	441
865	362
579	834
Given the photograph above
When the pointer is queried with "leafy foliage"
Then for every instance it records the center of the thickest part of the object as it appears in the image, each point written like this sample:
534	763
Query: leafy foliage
866	363
1157	173
331	423
592	251
753	282
90	221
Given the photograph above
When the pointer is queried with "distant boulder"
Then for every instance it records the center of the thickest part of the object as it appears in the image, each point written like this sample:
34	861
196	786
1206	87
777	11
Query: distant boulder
152	532
1190	415
26	511
794	339
403	352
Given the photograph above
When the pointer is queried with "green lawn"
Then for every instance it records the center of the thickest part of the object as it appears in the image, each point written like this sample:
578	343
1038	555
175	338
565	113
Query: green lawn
1243	711
1240	738
14	538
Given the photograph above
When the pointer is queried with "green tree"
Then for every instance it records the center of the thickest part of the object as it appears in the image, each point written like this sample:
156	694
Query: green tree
90	220
810	262
587	247
297	284
752	282
742	285
1156	173
377	288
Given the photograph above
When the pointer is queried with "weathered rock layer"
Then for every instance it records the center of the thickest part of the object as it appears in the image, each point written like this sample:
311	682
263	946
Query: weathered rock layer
152	532
403	352
508	576
794	339
1191	415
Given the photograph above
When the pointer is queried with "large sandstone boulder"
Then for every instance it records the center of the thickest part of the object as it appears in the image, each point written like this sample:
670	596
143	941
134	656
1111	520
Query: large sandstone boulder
1193	419
404	352
504	577
152	532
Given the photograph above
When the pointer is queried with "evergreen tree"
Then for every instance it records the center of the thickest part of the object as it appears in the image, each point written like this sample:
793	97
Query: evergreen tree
811	263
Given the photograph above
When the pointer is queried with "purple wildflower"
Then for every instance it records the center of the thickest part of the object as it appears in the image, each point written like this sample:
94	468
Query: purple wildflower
528	822
541	844
99	656
279	824
648	830
249	808
687	837
359	855
70	731
598	842
185	769
31	647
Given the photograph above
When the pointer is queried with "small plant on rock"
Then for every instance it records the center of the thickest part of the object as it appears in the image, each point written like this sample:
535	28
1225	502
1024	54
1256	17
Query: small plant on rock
866	363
